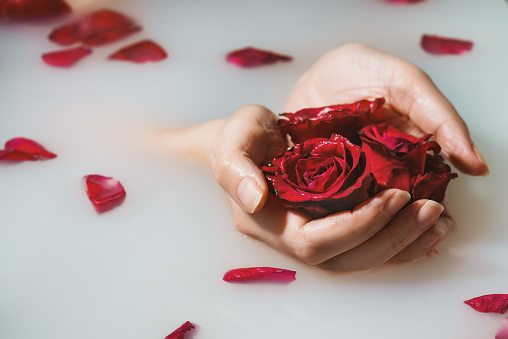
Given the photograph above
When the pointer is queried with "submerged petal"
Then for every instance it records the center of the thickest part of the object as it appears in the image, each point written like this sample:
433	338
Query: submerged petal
440	45
253	57
66	58
96	29
140	52
32	10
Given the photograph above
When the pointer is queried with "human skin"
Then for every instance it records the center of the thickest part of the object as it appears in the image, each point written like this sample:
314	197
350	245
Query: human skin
384	229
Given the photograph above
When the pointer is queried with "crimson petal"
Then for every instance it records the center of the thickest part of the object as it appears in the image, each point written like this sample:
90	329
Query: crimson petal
32	10
260	274
180	332
21	149
66	58
140	52
105	193
440	45
96	29
489	303
252	57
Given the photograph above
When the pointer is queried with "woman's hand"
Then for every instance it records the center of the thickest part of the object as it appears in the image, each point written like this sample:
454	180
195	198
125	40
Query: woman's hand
382	229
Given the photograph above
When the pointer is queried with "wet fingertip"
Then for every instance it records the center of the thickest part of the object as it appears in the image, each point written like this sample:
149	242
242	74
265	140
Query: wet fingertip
249	194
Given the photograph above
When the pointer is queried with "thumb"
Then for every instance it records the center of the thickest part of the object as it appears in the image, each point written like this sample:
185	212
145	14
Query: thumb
249	137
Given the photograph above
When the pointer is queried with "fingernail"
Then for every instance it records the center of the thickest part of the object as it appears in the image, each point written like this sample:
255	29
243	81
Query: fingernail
480	157
433	236
395	203
249	194
428	214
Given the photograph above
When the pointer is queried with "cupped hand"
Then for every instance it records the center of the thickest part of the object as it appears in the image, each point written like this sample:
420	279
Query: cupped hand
380	230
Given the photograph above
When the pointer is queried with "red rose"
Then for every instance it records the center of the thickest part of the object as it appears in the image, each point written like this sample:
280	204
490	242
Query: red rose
322	176
399	160
322	122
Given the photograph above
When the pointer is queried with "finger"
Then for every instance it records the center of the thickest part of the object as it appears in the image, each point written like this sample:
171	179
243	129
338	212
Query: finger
415	94
250	137
324	238
405	228
426	245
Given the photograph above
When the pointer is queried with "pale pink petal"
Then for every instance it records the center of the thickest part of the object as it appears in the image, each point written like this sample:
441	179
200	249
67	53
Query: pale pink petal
503	331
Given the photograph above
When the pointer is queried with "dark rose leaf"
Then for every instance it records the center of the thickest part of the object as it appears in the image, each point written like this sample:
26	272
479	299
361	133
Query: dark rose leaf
180	332
22	149
490	303
440	45
399	160
99	28
66	58
321	176
322	122
140	52
105	193
32	10
260	274
252	57
502	333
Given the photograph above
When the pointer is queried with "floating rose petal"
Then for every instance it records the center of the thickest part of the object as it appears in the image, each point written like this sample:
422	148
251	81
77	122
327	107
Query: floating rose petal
180	332
32	10
489	303
99	28
404	1
253	57
140	52
66	58
260	274
21	149
440	45
105	193
503	331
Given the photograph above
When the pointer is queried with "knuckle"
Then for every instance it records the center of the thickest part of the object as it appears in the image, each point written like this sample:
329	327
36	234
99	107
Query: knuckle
307	251
395	242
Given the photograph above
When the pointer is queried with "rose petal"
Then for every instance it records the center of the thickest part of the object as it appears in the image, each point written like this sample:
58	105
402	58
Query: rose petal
322	122
260	274
21	149
99	28
253	57
440	45
140	52
66	58
489	303
105	193
180	332
321	176
503	331
32	10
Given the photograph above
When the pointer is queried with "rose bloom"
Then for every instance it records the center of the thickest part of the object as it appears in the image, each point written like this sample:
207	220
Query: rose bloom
321	176
399	160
